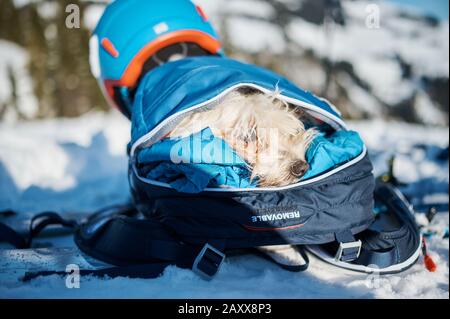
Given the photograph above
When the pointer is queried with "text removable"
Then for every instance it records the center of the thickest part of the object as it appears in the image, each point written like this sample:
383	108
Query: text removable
276	216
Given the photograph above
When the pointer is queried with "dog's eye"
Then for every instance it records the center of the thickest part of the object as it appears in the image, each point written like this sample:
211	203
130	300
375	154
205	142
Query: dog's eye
299	168
251	138
248	91
248	138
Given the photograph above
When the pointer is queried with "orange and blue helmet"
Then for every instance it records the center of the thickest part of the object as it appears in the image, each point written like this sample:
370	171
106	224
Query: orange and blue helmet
134	36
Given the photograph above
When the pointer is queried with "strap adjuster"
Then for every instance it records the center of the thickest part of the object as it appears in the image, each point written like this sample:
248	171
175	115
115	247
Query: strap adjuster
208	262
348	251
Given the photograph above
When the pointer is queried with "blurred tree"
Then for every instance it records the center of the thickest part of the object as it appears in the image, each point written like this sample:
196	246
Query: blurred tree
74	84
9	16
58	56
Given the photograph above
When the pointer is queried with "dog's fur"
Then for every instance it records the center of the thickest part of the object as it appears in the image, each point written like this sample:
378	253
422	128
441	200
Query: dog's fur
266	132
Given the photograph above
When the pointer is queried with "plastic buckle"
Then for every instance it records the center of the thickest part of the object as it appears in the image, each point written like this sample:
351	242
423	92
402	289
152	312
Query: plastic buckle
348	251
208	262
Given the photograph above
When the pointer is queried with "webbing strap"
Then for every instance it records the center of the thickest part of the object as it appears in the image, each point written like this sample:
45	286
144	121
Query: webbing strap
10	236
206	264
42	221
138	248
158	252
144	271
349	248
362	255
287	266
37	225
125	241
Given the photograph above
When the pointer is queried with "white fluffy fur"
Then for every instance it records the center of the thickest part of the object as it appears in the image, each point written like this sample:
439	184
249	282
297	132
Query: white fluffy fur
263	130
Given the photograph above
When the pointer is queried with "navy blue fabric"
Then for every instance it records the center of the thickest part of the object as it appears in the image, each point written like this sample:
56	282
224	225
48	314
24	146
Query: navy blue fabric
176	86
314	212
392	239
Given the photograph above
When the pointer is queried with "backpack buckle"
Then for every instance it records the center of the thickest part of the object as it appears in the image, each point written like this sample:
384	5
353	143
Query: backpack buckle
348	251
208	262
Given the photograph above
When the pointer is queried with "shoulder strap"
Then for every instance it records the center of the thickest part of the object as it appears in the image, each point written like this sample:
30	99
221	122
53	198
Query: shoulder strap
37	224
10	236
135	248
288	257
42	221
126	242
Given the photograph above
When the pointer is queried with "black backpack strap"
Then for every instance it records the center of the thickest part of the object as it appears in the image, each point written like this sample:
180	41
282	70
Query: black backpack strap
144	271
10	236
37	224
206	264
145	245
349	248
134	247
42	221
289	266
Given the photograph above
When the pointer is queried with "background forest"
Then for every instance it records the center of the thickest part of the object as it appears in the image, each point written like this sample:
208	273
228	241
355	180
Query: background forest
397	71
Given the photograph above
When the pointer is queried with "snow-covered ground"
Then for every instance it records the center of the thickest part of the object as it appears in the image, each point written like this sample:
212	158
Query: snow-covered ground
80	164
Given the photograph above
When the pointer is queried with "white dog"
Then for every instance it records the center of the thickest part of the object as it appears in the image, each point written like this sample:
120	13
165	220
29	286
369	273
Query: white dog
266	132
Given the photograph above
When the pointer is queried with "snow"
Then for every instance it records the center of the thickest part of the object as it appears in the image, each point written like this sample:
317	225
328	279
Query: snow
364	100
427	110
252	8
388	138
373	51
92	15
81	164
247	24
76	164
49	10
385	78
254	36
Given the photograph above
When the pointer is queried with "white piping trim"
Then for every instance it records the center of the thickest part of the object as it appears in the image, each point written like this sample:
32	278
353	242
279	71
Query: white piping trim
333	107
316	251
287	99
264	189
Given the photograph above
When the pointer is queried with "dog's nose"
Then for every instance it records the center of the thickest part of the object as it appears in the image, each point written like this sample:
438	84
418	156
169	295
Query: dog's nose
299	168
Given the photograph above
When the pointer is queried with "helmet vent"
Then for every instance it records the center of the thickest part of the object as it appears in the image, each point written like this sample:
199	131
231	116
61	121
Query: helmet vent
202	13
109	47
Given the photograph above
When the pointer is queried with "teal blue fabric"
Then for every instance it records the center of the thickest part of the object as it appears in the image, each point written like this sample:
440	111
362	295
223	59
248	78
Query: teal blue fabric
328	152
202	160
194	163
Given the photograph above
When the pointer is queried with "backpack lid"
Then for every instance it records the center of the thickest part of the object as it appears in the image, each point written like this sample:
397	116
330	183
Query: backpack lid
179	87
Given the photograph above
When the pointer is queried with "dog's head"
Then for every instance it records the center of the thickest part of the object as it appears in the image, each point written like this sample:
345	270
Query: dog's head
270	135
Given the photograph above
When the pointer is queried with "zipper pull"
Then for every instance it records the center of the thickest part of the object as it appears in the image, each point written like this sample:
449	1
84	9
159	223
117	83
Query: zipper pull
429	262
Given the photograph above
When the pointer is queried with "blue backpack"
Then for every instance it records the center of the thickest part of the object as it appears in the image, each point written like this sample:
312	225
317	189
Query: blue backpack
197	211
194	212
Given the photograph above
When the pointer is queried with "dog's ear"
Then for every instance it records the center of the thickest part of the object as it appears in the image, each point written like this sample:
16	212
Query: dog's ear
299	168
